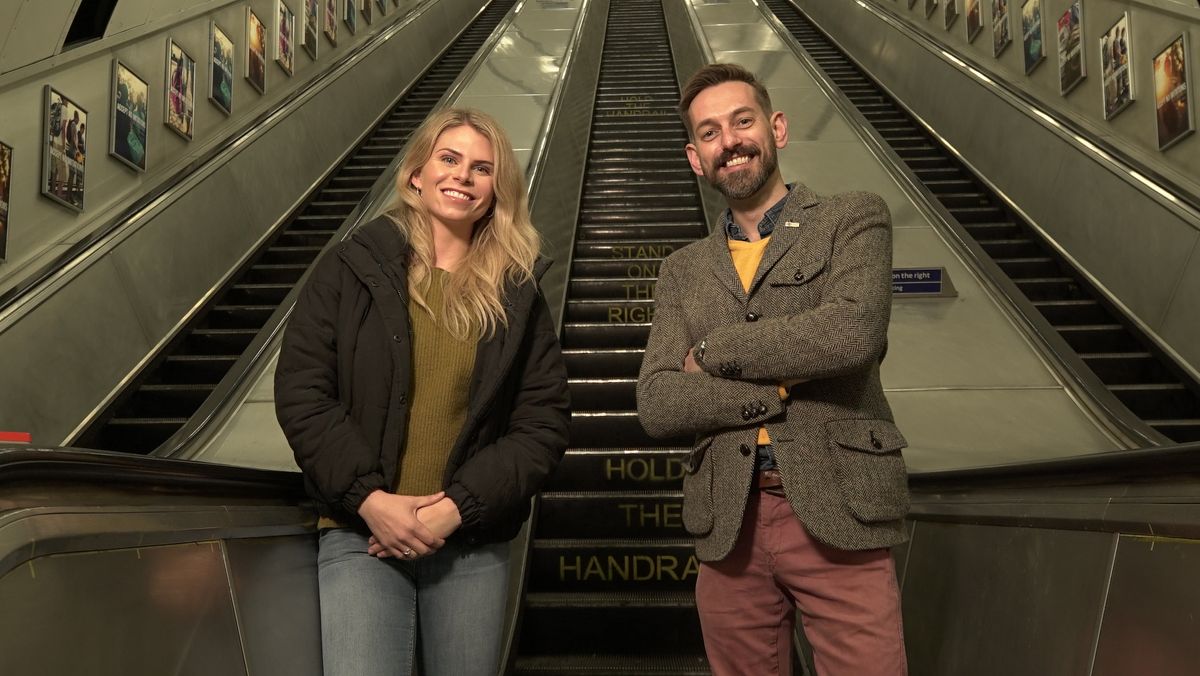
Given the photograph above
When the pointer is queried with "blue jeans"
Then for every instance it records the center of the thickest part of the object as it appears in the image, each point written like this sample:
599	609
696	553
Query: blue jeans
371	608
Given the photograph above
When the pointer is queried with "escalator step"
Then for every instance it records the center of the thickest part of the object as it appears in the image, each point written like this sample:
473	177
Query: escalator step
610	514
636	623
600	362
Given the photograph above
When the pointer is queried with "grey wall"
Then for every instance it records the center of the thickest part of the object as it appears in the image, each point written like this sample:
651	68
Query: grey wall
79	336
1146	254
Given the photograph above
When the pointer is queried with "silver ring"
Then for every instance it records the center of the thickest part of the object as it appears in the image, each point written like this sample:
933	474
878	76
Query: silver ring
407	552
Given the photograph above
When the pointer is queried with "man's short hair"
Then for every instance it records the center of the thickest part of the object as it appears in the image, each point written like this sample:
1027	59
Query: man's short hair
719	73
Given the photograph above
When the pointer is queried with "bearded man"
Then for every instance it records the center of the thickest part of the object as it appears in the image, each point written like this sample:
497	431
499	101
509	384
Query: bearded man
765	348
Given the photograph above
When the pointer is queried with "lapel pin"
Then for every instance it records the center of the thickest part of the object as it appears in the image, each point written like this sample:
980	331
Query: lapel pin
791	224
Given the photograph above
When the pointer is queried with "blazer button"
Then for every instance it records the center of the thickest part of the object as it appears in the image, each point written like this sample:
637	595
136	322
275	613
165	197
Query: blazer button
875	442
799	276
752	316
744	449
762	408
746	415
396	337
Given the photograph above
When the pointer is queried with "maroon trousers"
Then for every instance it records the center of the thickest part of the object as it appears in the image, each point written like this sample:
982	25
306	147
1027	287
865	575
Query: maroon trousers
848	600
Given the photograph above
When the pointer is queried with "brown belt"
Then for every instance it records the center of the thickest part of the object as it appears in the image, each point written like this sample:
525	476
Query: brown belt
768	481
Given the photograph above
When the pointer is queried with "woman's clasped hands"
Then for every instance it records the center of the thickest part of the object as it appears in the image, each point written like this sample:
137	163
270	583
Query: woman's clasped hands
408	526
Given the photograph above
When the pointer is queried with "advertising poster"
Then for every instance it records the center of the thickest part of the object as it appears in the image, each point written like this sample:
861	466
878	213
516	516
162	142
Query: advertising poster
1071	68
220	69
974	19
1031	34
6	154
350	15
312	11
130	98
1001	35
256	52
331	21
64	156
181	90
1114	60
1172	94
285	29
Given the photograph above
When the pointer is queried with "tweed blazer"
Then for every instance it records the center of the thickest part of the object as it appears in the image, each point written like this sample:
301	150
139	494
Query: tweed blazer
817	310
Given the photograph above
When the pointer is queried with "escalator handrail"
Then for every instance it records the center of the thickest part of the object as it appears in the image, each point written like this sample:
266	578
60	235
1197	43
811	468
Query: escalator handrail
76	257
24	464
1109	467
1116	419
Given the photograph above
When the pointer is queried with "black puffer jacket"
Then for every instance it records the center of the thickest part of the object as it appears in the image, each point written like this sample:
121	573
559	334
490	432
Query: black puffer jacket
343	379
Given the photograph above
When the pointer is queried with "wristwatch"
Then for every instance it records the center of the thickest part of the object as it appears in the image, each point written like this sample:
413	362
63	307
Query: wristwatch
698	354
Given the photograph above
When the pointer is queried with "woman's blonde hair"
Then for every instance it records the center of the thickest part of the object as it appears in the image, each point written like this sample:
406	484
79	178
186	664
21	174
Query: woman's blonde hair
503	246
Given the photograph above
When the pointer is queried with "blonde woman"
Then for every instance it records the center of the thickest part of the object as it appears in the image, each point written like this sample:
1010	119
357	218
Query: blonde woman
422	388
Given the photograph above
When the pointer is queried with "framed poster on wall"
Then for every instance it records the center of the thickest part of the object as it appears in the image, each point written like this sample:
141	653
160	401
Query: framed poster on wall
1071	66
951	13
368	11
974	14
220	69
331	22
64	149
1001	34
930	7
6	165
1031	34
256	52
1172	93
311	34
285	31
181	90
350	15
130	109
1116	74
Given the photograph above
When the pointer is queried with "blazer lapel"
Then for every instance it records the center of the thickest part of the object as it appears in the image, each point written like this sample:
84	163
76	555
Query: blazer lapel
788	231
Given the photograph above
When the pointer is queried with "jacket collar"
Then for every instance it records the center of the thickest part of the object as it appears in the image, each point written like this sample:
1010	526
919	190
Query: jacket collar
784	236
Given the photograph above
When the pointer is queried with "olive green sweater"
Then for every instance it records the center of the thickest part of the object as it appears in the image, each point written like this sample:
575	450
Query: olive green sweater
438	396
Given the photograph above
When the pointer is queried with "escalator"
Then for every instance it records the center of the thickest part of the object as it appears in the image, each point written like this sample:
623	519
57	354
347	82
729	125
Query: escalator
1140	375
612	570
183	375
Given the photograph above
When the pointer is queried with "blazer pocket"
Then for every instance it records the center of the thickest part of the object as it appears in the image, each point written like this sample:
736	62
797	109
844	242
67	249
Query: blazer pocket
797	274
697	489
870	470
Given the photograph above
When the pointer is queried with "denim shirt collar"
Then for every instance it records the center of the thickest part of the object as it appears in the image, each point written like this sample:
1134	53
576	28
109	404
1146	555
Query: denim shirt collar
765	227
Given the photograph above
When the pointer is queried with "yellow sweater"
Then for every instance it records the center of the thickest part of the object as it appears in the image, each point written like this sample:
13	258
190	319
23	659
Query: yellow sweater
746	258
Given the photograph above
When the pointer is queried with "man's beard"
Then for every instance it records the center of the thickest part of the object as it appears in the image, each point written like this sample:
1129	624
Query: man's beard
740	185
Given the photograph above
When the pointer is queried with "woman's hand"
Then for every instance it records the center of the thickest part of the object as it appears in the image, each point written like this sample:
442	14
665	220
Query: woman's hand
395	528
441	518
